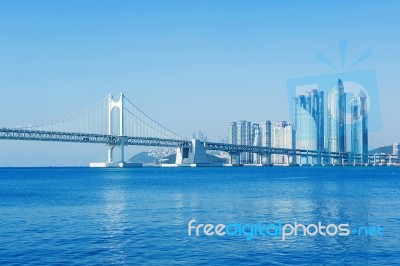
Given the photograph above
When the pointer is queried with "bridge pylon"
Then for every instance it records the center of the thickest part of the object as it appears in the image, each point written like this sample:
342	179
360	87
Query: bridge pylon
118	104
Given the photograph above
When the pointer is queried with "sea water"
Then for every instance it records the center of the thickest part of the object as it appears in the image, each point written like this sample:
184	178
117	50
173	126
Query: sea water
83	216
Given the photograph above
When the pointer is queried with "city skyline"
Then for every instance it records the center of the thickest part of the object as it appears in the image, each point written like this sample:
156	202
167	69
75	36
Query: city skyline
307	130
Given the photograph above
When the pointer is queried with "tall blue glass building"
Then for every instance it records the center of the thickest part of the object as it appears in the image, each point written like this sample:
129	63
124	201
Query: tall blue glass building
359	125
336	128
308	120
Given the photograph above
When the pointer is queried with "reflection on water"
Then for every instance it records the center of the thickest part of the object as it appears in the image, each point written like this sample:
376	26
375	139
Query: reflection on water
115	222
179	205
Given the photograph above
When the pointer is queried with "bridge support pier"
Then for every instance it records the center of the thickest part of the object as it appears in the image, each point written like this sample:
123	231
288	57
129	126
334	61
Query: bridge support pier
122	149
234	159
267	159
292	159
110	153
307	158
194	156
110	157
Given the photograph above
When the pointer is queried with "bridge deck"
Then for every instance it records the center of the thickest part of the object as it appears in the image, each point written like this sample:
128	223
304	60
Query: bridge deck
37	135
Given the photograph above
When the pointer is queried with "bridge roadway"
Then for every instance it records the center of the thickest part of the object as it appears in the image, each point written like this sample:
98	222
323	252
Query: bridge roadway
37	135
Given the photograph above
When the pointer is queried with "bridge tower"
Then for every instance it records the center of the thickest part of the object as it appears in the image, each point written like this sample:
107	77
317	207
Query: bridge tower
119	104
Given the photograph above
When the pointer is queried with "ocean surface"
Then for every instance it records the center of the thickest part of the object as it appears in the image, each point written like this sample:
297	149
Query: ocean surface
83	216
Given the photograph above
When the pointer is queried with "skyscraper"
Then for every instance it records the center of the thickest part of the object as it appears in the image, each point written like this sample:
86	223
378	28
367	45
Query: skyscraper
232	133
233	139
248	157
266	136
282	137
256	133
336	128
308	120
266	133
246	133
359	125
241	134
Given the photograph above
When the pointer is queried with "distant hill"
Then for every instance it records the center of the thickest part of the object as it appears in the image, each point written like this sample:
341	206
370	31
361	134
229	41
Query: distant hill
385	149
145	158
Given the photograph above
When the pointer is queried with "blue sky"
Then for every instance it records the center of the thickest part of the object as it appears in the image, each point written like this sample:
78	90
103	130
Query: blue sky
191	65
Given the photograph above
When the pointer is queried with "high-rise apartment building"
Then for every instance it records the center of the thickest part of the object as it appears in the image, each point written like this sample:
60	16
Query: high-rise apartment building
256	132
266	137
308	120
266	133
244	137
241	134
232	133
336	116
359	125
282	137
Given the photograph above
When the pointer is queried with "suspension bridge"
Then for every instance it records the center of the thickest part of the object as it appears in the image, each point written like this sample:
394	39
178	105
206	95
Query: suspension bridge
117	122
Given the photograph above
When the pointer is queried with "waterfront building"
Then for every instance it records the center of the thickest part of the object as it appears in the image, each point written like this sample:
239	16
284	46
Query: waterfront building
266	137
246	133
248	141
232	133
336	118
256	133
359	125
282	137
241	134
266	133
244	138
308	121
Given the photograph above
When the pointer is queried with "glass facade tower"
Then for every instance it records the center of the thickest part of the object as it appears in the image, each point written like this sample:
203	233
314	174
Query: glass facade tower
336	128
359	125
308	120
